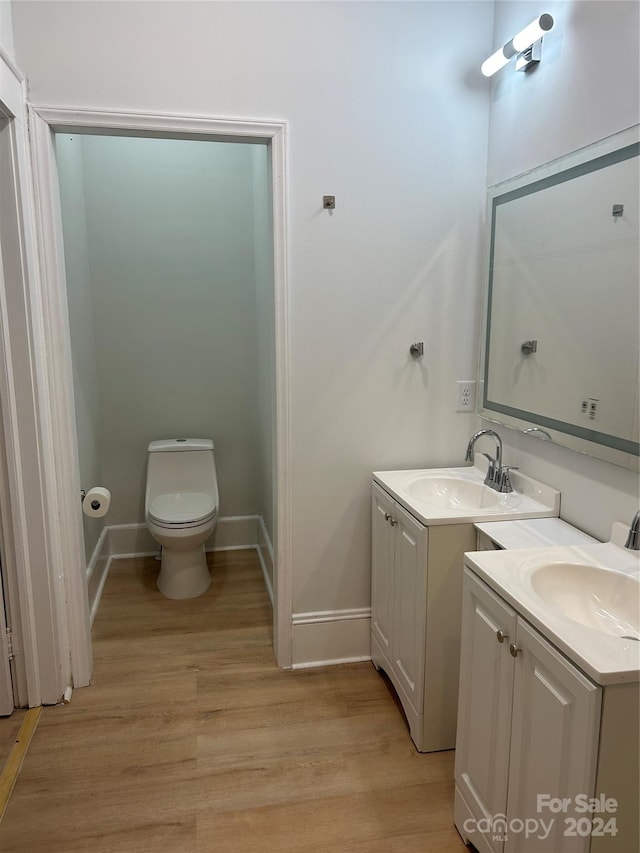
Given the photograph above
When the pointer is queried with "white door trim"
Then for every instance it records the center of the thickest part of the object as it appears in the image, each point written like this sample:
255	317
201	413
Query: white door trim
58	430
34	591
57	352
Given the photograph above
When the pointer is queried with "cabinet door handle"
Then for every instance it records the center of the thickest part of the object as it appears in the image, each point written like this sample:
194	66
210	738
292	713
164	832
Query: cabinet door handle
387	517
501	636
393	521
514	651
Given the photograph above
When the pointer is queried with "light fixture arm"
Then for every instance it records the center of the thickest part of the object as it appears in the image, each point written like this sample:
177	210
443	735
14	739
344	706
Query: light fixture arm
521	42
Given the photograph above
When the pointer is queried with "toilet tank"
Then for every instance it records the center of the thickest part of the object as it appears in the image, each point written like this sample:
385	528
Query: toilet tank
181	465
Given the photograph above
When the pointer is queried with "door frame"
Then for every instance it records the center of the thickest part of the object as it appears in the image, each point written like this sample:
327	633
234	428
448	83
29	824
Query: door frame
34	590
58	394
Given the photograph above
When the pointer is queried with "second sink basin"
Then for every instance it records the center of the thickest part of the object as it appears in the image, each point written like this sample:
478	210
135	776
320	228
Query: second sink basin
602	599
452	492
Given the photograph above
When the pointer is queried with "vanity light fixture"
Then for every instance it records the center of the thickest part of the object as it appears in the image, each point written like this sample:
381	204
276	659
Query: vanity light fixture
525	46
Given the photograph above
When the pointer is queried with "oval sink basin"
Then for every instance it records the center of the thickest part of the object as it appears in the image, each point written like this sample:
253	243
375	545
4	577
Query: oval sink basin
453	493
602	599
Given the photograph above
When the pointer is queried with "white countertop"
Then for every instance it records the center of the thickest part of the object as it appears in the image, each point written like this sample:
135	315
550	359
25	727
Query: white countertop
534	533
530	499
605	658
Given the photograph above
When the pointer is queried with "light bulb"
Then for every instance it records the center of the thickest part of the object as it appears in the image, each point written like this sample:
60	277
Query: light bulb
495	62
530	34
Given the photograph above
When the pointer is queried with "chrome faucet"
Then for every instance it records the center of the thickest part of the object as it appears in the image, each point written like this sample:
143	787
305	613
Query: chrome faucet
543	433
633	539
494	471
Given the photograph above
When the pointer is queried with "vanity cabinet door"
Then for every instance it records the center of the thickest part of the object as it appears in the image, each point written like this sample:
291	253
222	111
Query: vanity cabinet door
382	557
484	712
399	602
410	605
554	742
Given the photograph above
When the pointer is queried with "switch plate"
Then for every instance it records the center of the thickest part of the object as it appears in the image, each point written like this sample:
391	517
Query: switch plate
465	396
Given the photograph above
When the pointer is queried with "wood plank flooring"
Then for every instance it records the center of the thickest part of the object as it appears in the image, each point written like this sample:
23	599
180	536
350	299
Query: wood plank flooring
9	728
191	740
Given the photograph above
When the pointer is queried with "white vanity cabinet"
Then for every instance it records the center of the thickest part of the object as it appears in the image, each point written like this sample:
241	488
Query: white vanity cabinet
415	615
399	586
528	725
484	711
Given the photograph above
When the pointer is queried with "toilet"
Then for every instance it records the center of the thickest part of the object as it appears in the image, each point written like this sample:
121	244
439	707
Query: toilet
181	510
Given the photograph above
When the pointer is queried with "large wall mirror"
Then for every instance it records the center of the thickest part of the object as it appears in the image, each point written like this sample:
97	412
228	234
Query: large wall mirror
561	348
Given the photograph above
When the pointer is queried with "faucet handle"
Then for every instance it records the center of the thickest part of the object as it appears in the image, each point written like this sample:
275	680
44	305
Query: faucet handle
492	461
504	481
633	539
490	479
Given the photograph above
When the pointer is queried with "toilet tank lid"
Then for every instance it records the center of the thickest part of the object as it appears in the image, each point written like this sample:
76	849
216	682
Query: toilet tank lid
173	444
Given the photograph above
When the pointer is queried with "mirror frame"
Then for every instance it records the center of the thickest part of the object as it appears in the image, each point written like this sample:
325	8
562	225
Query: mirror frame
542	427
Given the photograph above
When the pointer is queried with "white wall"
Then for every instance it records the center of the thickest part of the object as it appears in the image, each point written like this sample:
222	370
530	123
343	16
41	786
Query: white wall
388	111
586	88
170	236
6	27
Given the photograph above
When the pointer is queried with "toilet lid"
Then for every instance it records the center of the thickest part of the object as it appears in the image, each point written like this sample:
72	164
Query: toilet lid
181	508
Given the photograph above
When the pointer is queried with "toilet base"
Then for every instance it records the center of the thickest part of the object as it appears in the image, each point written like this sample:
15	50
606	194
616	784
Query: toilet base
184	574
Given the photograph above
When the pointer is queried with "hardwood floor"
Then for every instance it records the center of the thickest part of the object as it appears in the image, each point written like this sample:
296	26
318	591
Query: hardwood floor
9	728
192	740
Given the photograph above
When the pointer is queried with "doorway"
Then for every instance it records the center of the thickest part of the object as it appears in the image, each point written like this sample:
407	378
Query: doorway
165	130
168	246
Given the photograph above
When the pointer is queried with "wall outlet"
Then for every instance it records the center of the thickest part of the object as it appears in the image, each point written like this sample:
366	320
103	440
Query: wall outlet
465	396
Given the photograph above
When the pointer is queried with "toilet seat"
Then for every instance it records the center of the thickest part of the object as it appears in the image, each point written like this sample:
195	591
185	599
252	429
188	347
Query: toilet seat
181	509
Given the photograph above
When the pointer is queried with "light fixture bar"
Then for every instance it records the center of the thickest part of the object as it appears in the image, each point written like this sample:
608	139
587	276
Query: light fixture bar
532	33
529	57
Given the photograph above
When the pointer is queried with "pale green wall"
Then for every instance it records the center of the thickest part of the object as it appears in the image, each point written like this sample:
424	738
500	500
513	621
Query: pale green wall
173	252
85	374
263	255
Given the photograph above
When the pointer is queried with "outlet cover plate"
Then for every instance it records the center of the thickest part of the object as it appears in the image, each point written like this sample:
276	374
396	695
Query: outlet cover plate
465	395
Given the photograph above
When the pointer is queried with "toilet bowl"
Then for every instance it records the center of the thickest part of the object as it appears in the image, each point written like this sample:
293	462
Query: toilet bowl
181	511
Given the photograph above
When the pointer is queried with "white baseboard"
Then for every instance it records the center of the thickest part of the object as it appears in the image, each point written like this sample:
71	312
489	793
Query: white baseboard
97	571
265	555
95	600
121	541
330	637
